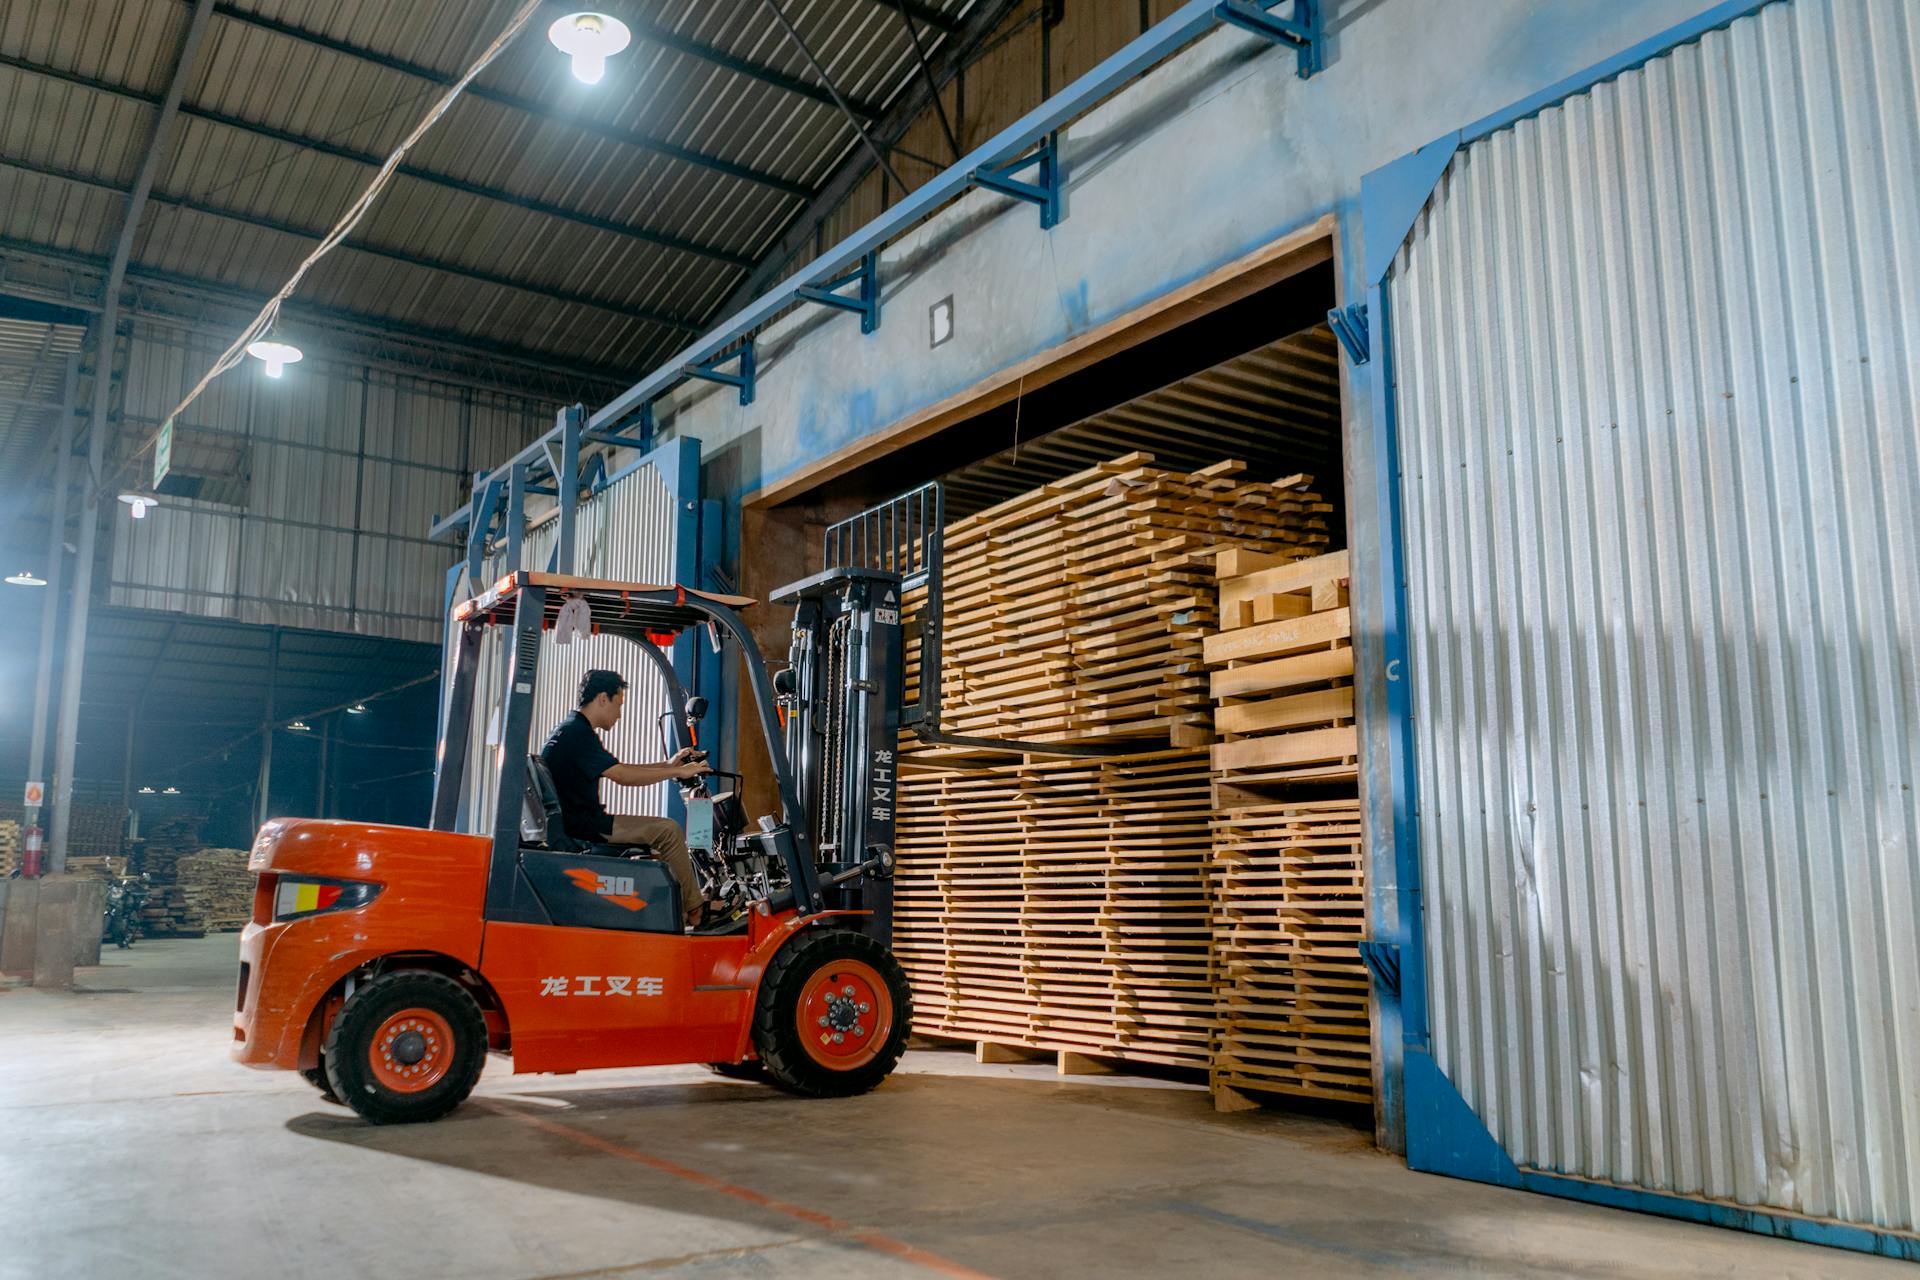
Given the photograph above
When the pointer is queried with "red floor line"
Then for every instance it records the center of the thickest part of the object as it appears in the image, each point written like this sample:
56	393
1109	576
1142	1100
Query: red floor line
871	1239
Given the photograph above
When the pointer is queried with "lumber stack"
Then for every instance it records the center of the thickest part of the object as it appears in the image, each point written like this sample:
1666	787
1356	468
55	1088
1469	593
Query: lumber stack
1283	678
1290	888
1078	610
12	847
1060	904
1291	911
98	867
167	912
217	888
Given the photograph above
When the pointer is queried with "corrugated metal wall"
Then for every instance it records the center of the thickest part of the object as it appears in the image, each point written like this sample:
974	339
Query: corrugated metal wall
314	493
625	532
1656	361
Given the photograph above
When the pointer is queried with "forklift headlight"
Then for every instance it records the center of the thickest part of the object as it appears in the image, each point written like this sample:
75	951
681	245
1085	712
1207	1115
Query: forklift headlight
293	898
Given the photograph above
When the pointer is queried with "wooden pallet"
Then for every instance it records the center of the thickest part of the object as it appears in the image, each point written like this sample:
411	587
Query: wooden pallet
1283	684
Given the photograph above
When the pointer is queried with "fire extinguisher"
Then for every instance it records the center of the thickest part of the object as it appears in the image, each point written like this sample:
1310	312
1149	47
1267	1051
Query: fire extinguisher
30	862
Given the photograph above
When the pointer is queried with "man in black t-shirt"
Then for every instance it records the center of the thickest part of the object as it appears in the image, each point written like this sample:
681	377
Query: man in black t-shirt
578	761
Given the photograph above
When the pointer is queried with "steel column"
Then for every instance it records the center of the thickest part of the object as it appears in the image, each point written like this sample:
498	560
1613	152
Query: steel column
56	578
190	46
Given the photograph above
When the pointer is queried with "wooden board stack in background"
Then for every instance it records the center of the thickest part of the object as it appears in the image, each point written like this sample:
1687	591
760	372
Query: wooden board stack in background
1077	611
1060	905
1290	888
217	888
12	847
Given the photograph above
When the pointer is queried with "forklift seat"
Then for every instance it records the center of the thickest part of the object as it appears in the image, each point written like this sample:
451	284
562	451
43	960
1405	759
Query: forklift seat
541	823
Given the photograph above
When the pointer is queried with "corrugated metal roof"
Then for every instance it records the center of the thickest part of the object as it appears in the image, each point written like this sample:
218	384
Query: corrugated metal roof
601	215
33	360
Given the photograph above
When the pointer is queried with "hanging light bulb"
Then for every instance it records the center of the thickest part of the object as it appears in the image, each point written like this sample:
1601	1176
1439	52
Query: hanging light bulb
26	578
589	39
146	791
299	726
357	709
139	502
275	354
171	791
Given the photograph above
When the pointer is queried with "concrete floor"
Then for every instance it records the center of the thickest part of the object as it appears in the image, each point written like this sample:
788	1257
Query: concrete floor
131	1147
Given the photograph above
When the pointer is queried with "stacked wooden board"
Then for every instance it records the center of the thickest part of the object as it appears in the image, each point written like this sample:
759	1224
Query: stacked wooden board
1078	611
1060	904
1066	904
217	888
1283	683
1291	910
1290	888
12	847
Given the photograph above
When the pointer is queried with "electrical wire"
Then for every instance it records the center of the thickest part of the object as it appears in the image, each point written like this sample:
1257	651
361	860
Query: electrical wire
263	323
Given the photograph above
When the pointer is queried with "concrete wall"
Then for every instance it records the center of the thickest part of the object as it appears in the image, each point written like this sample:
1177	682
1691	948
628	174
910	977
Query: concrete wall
1220	151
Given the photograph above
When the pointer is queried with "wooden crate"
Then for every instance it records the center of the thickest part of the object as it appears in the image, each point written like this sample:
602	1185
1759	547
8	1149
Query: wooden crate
1283	678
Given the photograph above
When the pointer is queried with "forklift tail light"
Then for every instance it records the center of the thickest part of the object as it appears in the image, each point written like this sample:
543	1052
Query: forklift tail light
293	898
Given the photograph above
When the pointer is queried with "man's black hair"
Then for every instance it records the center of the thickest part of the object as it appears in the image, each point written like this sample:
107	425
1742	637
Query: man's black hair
595	683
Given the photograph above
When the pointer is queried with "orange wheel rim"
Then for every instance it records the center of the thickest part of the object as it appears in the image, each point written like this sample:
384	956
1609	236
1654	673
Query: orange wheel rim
411	1051
845	1014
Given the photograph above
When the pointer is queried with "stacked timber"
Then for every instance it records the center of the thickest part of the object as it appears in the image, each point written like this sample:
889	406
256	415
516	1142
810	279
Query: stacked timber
98	867
1290	883
1060	904
217	888
1283	683
1290	914
1078	611
167	913
12	848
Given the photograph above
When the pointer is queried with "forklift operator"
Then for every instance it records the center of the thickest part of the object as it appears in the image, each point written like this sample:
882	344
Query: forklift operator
577	760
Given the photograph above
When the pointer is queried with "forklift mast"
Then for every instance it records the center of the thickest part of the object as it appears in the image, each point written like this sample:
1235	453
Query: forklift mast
841	694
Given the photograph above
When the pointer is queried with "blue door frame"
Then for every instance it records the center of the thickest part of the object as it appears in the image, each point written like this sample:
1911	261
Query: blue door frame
1443	1133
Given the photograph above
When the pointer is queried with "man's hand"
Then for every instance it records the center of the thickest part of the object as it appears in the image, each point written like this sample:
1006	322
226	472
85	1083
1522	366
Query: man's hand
688	763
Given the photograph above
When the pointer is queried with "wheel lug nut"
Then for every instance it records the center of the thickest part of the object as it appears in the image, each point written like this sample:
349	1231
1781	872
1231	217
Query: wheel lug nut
848	990
859	1030
865	1007
823	1020
838	1038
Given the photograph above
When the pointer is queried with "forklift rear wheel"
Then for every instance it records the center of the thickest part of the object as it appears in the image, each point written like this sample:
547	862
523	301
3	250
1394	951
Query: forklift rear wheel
406	1047
833	1015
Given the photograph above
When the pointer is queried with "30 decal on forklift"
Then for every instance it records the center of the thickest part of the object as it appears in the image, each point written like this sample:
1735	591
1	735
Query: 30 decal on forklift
621	891
616	985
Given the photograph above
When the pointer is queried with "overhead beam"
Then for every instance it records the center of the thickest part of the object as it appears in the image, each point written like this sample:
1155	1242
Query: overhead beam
928	14
360	244
642	30
941	66
479	190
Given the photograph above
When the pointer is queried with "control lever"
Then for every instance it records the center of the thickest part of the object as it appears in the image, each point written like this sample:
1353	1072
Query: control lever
882	860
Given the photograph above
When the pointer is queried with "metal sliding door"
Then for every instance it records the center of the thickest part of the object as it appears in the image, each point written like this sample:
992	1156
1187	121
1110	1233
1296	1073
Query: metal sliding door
1656	369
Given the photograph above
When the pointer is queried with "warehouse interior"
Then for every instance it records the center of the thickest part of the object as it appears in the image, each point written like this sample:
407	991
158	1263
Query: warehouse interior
978	637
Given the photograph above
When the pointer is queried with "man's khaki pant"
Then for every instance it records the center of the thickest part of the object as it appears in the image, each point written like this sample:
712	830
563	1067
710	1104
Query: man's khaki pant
669	845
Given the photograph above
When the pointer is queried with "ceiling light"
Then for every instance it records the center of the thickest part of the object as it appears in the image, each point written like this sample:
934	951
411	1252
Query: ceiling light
589	39
27	578
357	709
146	791
276	355
171	791
299	726
139	502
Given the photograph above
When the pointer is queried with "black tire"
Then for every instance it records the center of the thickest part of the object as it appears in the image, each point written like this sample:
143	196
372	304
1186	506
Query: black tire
366	1025
780	1022
752	1069
317	1077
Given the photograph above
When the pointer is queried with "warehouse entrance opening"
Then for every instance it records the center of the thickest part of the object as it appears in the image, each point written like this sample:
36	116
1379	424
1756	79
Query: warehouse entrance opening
1144	554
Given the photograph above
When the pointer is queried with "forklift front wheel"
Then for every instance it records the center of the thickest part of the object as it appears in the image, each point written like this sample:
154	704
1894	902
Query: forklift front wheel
833	1015
406	1047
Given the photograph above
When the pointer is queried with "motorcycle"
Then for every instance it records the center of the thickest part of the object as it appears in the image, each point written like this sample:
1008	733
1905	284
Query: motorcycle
125	896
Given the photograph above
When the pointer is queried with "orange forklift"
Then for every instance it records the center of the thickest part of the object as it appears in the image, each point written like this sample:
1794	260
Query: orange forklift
383	963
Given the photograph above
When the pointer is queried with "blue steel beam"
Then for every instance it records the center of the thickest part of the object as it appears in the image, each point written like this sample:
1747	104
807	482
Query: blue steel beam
1184	25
